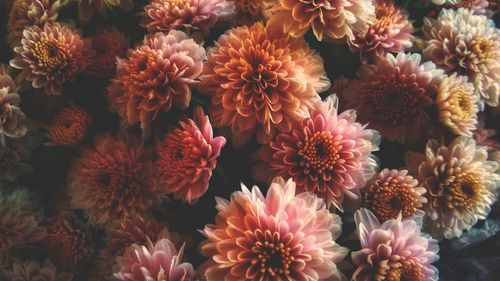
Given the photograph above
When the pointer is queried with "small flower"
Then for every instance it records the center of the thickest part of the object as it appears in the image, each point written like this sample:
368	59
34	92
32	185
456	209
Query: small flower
33	271
187	156
51	55
457	105
461	184
327	153
281	236
393	250
87	8
108	43
69	126
11	116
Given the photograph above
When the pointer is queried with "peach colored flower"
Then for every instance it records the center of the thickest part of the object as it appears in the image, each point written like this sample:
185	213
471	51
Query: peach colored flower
11	116
108	43
33	271
87	8
69	126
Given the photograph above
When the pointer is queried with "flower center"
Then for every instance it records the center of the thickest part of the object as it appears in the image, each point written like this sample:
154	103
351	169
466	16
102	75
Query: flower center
259	70
409	271
272	257
48	54
463	190
180	2
469	4
482	48
321	152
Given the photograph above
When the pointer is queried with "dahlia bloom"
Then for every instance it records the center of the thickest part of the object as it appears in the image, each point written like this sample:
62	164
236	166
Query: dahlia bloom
11	116
87	8
461	184
457	105
390	31
113	180
281	236
155	262
260	80
51	55
327	153
187	15
459	41
392	193
33	271
393	94
154	76
393	250
479	7
69	126
26	13
108	43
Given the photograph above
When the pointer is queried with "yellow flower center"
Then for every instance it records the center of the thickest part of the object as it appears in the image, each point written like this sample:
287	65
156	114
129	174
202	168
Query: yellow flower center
273	258
462	103
49	54
463	190
385	16
321	152
482	48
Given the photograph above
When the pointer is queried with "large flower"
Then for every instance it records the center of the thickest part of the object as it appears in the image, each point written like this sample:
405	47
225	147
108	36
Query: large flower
260	80
327	153
87	8
281	236
393	94
108	43
69	126
461	184
33	271
113	180
459	41
393	250
51	55
334	19
154	76
10	112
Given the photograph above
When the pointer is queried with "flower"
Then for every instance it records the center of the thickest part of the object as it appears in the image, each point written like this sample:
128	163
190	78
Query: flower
51	55
69	126
393	94
155	75
327	153
14	158
187	156
479	7
249	11
87	8
461	184
186	15
32	271
108	43
11	116
335	19
389	32
393	250
113	180
282	236
337	88
26	13
260	80
459	41
392	192
457	105
158	261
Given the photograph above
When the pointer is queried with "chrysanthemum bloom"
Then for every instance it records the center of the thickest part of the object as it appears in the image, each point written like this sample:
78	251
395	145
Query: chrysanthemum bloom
327	153
479	7
393	250
457	105
333	19
33	271
390	31
108	43
11	116
186	15
26	13
51	55
392	192
69	126
459	41
155	75
260	80
461	184
155	262
87	8
186	157
393	94
19	223
281	236
113	180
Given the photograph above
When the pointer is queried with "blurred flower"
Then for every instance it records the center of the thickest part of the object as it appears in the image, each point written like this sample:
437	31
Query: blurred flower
393	250
26	13
457	105
461	184
479	7
327	153
187	156
186	15
337	88
51	55
459	41
33	271
261	80
11	116
335	19
86	8
484	137
392	192
69	126
393	94
249	11
389	32
19	222
108	43
113	180
155	262
282	236
14	157
155	75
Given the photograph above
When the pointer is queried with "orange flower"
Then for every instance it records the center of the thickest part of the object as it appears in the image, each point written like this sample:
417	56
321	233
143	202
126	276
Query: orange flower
69	126
108	43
